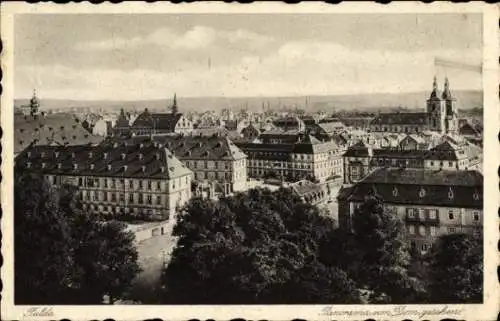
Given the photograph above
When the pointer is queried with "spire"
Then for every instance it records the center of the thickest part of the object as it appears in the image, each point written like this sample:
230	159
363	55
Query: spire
174	105
434	93
34	104
446	92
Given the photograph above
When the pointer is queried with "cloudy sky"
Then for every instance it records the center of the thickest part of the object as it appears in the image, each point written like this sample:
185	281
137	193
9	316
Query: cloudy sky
129	57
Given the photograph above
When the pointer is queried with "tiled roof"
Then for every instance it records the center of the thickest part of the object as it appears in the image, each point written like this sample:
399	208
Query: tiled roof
360	149
110	159
468	129
159	121
414	176
400	119
53	129
447	151
449	189
310	145
197	147
332	127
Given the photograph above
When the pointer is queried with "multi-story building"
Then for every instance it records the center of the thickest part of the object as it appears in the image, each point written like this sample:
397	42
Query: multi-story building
141	180
429	202
293	160
361	159
219	166
40	128
148	123
440	116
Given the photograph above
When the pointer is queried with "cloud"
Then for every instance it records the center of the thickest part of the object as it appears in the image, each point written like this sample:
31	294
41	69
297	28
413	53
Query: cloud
294	68
195	38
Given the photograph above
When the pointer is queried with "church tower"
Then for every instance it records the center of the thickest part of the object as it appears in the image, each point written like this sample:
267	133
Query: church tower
174	105
34	104
436	110
451	119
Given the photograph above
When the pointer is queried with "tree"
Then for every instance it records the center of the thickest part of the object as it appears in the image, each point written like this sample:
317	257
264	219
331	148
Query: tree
247	249
457	269
64	251
383	254
42	238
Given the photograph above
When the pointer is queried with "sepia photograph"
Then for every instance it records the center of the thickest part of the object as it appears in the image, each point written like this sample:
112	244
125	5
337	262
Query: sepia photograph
248	158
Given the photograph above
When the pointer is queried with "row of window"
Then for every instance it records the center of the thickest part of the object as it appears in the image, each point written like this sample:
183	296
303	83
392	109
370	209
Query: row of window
422	230
215	175
397	129
121	210
432	214
214	164
132	198
150	185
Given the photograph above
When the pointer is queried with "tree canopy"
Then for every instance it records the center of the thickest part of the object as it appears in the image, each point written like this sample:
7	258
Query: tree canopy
457	269
62	250
254	248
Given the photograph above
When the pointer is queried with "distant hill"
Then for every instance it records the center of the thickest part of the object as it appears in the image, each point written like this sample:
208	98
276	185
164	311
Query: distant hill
363	102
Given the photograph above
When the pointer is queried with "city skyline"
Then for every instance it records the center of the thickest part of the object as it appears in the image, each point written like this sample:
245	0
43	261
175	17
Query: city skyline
115	57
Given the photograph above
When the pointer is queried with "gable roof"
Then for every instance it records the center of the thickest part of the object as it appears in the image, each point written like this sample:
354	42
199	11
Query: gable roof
159	121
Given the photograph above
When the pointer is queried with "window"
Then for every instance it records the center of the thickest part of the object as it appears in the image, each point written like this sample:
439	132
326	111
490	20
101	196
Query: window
122	182
113	197
131	184
451	216
450	164
158	185
475	215
432	214
149	185
433	230
80	181
131	198
113	183
150	199
452	230
158	200
122	197
140	184
411	229
105	196
421	214
425	247
105	183
141	200
421	230
411	213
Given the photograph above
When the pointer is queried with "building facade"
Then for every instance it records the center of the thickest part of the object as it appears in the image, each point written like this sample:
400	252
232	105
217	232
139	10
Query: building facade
305	158
219	167
441	116
116	179
430	203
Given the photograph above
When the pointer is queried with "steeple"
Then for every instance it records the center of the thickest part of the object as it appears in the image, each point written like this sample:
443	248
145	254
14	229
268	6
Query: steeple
434	93
446	92
34	104
174	105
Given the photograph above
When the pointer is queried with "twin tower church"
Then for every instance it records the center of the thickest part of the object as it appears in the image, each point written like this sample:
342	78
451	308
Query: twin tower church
440	116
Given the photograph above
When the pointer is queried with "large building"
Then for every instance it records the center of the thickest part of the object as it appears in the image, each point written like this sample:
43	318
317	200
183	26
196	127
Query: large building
38	128
440	116
118	179
413	152
219	166
292	157
430	202
148	123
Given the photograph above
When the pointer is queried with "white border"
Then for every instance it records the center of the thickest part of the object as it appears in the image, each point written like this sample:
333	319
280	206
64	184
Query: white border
488	310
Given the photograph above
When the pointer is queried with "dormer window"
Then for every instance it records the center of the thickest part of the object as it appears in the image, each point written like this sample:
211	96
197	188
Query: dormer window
91	155
143	168
92	166
123	156
450	194
75	166
59	165
43	165
28	164
73	155
163	169
115	145
125	167
141	145
422	192
56	154
140	156
476	196
157	156
42	154
109	167
105	155
395	192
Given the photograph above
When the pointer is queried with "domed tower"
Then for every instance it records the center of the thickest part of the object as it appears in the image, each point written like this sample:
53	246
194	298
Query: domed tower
34	104
451	119
435	110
